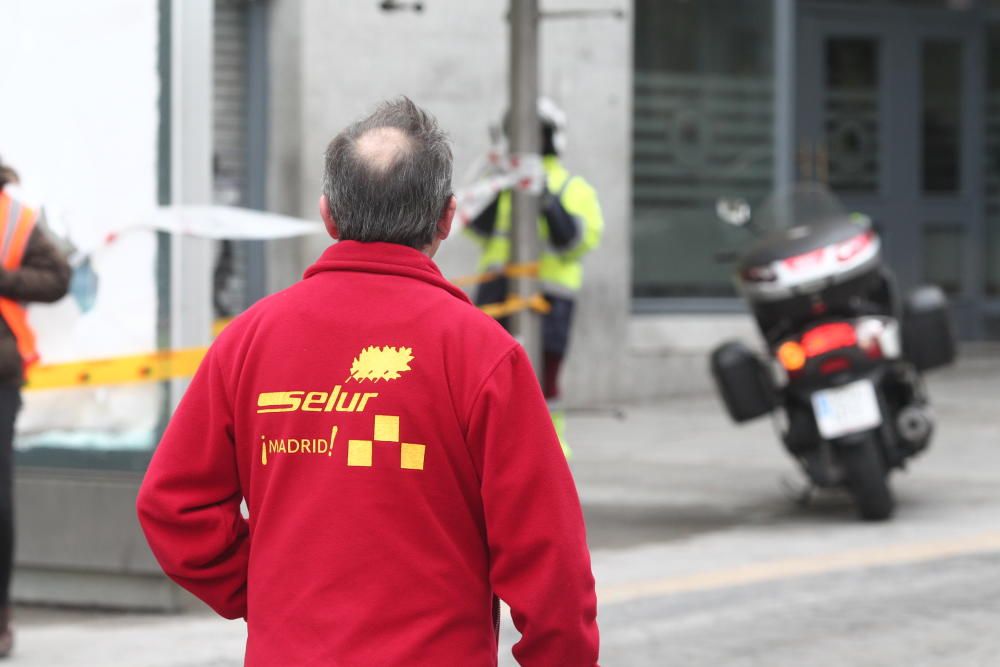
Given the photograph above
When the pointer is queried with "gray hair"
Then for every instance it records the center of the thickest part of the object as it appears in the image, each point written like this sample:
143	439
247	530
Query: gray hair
388	176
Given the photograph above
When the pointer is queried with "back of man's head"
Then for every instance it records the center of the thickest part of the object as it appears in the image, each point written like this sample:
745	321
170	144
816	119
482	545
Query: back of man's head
388	176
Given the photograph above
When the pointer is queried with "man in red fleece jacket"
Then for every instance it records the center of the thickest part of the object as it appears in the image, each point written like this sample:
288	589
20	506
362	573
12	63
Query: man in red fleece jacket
392	444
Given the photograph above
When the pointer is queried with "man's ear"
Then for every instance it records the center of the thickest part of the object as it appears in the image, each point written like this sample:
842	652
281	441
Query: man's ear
446	219
328	221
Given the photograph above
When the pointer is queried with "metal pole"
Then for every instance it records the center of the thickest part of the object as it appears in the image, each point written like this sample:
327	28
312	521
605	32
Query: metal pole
256	143
784	94
525	139
191	174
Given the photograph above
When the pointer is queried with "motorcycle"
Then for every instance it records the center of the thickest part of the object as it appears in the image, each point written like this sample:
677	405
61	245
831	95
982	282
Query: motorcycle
844	350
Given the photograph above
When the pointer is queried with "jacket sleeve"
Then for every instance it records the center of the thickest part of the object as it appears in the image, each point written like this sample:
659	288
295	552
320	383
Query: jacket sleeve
565	230
480	228
189	502
539	561
580	203
43	276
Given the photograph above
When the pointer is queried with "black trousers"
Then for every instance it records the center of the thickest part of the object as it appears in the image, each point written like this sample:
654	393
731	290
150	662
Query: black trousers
10	405
556	325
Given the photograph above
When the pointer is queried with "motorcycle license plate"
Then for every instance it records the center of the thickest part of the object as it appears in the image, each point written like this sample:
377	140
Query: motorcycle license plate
848	409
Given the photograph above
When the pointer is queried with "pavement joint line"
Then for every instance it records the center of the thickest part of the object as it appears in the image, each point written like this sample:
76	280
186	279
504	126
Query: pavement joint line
792	568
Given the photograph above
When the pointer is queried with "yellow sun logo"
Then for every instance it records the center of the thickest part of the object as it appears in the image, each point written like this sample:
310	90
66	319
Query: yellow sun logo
385	363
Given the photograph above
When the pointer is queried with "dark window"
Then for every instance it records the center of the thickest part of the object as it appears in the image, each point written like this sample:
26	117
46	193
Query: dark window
991	161
941	67
703	114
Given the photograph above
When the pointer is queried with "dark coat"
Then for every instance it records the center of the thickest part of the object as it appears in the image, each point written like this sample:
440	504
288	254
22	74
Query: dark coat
43	277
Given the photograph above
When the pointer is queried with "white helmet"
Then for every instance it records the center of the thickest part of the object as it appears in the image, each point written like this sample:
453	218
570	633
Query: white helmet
551	117
554	117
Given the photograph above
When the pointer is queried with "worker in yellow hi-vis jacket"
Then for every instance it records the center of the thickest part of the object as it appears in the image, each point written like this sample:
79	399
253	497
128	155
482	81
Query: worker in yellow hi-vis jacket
569	227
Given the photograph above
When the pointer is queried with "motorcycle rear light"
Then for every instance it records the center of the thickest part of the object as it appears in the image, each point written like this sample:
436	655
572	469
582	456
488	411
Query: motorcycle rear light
791	356
806	260
873	351
759	274
835	365
850	248
827	337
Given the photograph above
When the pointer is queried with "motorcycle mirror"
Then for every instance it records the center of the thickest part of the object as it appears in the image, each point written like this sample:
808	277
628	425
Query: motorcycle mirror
733	211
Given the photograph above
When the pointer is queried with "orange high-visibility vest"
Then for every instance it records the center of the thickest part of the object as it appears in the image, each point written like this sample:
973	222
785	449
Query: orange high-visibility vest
17	221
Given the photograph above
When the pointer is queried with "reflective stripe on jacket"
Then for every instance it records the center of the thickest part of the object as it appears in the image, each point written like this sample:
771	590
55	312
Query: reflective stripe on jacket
17	222
560	272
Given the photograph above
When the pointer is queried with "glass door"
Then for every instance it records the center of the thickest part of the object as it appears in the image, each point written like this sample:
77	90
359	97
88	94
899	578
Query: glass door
889	115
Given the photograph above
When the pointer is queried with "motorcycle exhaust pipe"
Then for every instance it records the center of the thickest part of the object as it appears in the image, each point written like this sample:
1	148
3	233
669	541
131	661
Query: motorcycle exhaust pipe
915	424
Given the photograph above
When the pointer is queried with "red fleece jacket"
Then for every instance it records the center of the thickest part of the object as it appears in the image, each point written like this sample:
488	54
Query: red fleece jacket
400	468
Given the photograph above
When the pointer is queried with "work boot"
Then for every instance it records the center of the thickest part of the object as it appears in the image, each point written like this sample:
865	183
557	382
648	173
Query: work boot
6	634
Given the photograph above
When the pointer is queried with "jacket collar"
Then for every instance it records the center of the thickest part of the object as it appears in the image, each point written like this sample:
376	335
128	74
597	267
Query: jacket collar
383	258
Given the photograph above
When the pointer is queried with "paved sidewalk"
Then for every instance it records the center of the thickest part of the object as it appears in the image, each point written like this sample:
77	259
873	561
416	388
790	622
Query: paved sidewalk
58	638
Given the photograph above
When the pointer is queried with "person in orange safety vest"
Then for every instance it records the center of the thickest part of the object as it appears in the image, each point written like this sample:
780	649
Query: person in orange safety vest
31	269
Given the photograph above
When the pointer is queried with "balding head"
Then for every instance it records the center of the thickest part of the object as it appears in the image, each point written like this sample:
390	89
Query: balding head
383	147
388	176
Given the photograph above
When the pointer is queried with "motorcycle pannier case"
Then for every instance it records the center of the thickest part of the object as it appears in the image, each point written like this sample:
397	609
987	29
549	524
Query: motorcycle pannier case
743	381
928	337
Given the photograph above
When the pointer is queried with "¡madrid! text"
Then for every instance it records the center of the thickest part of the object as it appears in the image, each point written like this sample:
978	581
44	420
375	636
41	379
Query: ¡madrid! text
319	446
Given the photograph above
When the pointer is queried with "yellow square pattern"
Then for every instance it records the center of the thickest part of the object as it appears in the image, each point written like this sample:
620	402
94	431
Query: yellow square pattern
411	457
359	453
386	428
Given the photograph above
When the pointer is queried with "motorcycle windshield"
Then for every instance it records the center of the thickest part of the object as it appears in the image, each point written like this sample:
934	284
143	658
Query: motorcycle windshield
803	205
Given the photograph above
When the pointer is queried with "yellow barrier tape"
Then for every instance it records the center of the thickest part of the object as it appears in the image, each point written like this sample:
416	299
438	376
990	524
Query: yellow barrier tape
175	364
526	270
152	367
515	304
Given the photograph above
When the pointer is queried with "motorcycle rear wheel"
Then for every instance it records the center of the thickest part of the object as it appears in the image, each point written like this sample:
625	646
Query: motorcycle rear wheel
866	478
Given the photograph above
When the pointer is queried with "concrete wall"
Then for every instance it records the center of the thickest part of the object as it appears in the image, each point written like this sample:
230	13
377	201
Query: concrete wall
79	543
668	355
333	61
587	67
